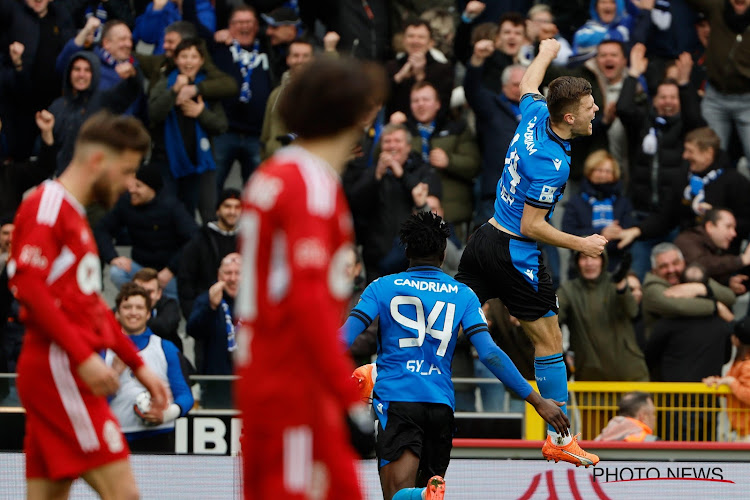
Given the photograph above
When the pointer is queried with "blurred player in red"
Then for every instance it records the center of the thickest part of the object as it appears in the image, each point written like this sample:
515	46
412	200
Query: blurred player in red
295	384
55	274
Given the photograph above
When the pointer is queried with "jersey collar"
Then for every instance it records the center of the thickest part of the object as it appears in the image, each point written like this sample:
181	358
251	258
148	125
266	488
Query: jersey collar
562	142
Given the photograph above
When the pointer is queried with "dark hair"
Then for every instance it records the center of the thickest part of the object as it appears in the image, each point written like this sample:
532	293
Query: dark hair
332	95
146	274
615	42
631	403
416	22
424	235
713	215
117	132
242	7
185	29
111	24
668	81
131	290
484	31
187	43
514	18
304	39
565	95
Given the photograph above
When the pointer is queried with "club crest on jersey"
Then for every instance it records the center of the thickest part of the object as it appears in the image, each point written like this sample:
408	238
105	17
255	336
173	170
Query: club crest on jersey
528	137
263	190
557	163
89	275
339	282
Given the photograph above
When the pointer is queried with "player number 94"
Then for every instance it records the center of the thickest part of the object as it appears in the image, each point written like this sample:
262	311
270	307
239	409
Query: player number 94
424	326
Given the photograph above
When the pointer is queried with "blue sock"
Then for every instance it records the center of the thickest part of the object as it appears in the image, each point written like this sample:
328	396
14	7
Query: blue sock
409	494
551	377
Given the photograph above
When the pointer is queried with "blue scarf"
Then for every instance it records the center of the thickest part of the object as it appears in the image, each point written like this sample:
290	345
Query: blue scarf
100	13
425	132
602	210
179	161
695	190
229	324
247	61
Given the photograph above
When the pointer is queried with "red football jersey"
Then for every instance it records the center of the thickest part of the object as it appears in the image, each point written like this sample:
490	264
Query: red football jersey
55	274
296	240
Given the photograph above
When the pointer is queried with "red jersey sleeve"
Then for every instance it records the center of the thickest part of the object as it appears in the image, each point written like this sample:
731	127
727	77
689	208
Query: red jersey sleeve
35	248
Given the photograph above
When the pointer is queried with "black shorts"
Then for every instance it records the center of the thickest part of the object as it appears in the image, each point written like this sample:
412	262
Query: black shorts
498	264
424	428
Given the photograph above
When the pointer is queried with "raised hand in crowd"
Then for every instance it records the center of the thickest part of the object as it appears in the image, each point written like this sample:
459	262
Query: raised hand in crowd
125	70
15	50
46	122
684	65
399	117
474	9
331	41
419	194
85	37
638	60
482	50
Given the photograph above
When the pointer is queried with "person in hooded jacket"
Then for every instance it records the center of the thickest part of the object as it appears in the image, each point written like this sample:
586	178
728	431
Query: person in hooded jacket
599	309
600	207
82	97
610	20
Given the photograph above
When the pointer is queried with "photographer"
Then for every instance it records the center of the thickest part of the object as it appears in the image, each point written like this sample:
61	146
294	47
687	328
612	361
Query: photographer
599	309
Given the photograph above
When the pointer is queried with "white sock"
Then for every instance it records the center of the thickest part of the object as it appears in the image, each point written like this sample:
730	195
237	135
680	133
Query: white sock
558	438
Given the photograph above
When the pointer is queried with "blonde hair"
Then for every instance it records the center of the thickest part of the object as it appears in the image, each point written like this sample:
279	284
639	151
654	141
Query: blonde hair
597	158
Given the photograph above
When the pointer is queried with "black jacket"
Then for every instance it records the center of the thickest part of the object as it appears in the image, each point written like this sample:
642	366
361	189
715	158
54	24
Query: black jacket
158	230
671	133
165	318
200	262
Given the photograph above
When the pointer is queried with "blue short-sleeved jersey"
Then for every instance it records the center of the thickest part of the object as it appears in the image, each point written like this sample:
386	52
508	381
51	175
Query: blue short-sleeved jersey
420	313
536	167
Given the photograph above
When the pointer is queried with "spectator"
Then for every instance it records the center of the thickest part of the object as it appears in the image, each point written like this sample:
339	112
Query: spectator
475	13
738	381
275	134
211	322
388	190
115	51
82	97
82	10
497	116
600	207
708	245
203	254
711	182
150	26
655	137
661	38
6	237
448	146
245	57
540	25
186	130
164	319
281	28
726	102
16	177
688	347
599	310
510	38
364	28
146	430
664	296
34	32
699	73
217	84
158	227
635	420
609	20
418	63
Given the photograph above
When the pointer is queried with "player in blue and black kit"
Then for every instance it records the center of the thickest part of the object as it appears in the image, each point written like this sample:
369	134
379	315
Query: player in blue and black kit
422	311
502	258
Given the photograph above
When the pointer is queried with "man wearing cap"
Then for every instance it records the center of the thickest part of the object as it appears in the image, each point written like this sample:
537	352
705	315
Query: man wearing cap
202	255
158	226
281	30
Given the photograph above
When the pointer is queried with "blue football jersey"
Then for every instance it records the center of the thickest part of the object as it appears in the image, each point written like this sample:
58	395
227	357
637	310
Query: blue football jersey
420	313
536	167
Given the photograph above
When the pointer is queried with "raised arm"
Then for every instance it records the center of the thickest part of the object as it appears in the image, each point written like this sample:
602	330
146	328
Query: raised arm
532	79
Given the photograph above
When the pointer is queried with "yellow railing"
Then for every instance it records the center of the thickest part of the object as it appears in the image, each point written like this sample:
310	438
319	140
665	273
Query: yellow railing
685	411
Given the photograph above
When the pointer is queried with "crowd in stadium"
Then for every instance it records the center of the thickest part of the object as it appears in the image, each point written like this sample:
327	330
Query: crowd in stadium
664	176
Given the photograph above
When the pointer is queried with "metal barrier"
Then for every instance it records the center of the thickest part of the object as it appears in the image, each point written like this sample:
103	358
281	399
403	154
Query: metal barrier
685	411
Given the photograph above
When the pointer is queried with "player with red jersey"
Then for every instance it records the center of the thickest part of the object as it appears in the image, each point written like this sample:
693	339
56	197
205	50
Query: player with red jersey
295	387
55	274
